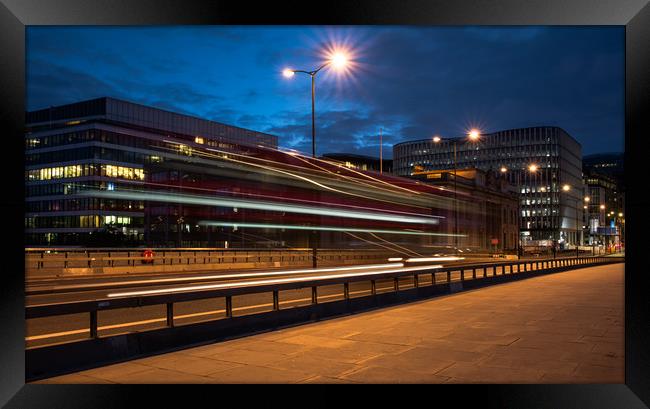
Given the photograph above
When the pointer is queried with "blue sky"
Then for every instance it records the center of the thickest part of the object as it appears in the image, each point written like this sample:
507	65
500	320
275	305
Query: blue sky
412	81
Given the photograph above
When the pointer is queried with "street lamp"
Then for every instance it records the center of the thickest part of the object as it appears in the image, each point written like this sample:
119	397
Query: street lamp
566	188
473	136
338	60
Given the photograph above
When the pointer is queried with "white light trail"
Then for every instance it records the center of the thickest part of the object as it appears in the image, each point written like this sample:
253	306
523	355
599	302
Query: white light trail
320	228
238	275
395	259
265	282
259	205
422	259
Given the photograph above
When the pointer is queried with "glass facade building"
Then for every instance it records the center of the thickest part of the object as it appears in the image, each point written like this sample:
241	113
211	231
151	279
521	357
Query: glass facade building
105	144
547	211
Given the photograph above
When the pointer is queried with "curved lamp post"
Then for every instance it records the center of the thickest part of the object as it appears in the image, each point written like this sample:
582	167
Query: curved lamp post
339	61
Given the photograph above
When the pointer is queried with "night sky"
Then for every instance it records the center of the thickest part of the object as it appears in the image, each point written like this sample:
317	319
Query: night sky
411	81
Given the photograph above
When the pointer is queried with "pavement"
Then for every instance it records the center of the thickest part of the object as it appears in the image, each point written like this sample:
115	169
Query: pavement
559	328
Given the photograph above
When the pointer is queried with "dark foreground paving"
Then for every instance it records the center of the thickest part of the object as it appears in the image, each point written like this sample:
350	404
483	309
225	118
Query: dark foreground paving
560	328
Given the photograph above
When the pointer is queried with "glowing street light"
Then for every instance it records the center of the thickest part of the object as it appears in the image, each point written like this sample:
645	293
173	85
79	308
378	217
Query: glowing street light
339	61
436	139
474	134
504	169
602	207
587	199
566	188
532	168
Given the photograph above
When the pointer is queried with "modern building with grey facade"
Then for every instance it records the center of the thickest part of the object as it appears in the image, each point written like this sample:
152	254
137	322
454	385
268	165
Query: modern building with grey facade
105	144
547	212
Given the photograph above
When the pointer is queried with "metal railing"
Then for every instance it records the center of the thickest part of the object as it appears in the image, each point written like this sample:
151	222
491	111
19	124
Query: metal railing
460	274
39	259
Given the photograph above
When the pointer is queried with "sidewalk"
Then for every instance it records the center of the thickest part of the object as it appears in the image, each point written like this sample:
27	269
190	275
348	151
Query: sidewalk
560	328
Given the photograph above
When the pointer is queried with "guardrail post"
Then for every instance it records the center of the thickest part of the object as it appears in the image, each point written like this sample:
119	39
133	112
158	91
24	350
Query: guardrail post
416	280
170	314
511	268
396	284
485	271
276	300
448	276
65	262
314	295
503	269
433	278
373	287
474	273
494	270
93	324
346	291
41	263
462	274
525	269
229	306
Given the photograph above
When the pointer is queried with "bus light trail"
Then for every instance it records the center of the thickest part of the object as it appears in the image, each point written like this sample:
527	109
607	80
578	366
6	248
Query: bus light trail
320	228
258	205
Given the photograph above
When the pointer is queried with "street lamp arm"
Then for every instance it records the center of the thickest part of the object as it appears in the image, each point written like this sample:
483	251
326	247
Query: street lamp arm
312	73
319	68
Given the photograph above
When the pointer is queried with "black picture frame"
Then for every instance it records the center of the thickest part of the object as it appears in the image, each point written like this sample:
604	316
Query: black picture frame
633	14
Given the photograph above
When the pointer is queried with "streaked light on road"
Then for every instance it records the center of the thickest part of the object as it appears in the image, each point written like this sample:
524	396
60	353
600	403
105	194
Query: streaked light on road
268	282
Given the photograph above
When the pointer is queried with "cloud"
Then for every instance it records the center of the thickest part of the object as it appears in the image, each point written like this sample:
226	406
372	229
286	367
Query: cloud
411	81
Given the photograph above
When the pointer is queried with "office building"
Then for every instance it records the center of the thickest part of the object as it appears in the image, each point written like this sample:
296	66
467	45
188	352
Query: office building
547	211
105	144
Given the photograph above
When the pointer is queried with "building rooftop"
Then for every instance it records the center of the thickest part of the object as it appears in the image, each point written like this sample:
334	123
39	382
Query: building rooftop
121	111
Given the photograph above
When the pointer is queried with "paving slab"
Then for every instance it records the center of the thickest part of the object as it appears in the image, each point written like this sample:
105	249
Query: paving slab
558	328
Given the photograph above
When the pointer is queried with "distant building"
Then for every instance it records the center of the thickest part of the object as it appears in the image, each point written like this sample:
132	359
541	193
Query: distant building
610	164
105	143
361	162
487	206
604	180
547	212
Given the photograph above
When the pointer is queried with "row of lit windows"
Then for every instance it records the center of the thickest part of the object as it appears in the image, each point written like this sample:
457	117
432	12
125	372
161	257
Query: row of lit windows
85	153
83	204
72	171
116	138
91	221
541	212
